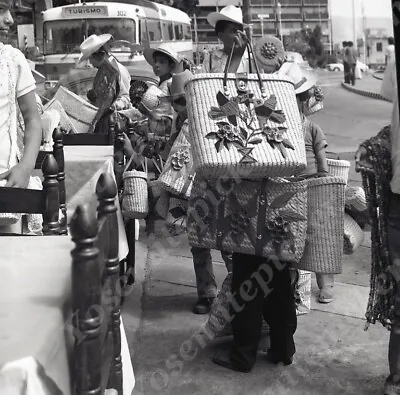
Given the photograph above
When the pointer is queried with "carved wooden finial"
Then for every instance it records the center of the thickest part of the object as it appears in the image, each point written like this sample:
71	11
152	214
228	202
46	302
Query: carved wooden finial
58	135
83	223
106	188
50	166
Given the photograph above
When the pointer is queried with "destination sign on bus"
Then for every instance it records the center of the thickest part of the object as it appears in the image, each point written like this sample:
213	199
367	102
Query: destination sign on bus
97	10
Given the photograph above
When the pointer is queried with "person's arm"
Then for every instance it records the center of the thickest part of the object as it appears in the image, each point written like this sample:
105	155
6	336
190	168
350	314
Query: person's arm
18	176
320	144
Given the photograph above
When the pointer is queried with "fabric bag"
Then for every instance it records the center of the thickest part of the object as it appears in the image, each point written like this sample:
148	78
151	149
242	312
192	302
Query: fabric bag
178	175
264	218
324	246
244	125
135	198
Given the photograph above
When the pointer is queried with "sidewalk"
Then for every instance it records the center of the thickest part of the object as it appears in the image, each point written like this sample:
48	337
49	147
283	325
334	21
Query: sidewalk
334	353
367	86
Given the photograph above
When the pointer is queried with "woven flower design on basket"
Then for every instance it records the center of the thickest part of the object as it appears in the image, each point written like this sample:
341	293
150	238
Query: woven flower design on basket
179	159
275	137
240	221
241	129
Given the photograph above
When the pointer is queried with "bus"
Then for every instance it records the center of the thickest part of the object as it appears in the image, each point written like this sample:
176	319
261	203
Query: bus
134	24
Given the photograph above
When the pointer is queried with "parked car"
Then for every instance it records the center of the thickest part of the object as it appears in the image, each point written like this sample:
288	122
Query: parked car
339	66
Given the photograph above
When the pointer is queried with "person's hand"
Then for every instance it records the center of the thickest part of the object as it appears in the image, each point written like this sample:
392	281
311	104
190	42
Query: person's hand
17	176
362	161
128	149
241	40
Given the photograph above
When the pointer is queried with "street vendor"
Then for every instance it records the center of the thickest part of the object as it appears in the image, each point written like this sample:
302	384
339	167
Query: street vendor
112	81
164	62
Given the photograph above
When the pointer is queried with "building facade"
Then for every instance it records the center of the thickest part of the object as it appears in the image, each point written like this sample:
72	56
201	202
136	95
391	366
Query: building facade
275	17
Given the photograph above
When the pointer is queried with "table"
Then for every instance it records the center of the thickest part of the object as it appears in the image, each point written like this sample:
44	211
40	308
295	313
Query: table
35	331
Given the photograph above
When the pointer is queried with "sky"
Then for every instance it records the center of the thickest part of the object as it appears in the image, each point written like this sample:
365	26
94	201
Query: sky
373	8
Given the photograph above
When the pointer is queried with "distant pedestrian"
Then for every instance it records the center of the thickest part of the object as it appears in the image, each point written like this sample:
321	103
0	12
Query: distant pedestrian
351	56
389	52
345	64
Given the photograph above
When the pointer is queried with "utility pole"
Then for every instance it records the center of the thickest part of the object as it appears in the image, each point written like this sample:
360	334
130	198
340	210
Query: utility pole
354	24
247	16
396	29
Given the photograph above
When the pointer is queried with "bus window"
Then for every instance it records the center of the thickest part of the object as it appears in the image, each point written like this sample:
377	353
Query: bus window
63	36
144	36
178	31
154	29
167	31
120	29
187	34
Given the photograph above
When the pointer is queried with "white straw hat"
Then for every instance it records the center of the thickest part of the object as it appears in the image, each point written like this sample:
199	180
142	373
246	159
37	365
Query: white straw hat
92	44
163	48
303	81
229	13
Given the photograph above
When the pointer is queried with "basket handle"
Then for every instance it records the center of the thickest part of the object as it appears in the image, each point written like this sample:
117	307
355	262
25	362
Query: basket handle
228	63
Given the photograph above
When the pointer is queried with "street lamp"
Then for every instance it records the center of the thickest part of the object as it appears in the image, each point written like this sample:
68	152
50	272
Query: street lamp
279	8
262	17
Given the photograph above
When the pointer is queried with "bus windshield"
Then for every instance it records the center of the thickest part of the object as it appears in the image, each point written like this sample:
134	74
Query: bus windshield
65	36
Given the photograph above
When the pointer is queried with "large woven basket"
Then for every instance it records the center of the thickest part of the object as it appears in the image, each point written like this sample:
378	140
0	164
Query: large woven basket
264	218
355	199
177	175
324	246
65	122
221	149
353	235
80	112
339	168
135	202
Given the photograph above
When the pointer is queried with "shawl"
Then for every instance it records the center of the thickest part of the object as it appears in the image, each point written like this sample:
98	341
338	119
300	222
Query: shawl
376	184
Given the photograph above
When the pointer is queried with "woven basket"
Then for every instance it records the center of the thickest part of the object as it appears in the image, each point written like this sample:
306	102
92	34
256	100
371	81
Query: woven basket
135	202
355	199
264	218
324	246
80	112
65	122
7	219
353	235
219	154
177	175
177	212
339	168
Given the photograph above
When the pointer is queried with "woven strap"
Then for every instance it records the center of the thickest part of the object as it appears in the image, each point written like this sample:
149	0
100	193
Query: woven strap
262	212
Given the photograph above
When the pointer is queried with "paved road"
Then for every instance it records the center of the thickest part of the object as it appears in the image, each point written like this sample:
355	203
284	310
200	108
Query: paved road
348	119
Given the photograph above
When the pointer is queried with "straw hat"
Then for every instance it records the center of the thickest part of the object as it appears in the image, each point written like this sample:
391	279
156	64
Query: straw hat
164	49
177	86
269	53
303	81
92	44
152	105
229	13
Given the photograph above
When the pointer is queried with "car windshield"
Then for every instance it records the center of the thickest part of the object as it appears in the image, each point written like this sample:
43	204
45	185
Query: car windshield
65	36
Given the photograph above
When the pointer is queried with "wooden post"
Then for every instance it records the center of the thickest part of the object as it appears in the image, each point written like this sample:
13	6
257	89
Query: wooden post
396	29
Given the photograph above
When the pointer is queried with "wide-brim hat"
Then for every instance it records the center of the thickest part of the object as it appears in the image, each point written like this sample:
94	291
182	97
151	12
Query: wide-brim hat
177	86
269	53
151	103
229	13
302	79
165	49
92	44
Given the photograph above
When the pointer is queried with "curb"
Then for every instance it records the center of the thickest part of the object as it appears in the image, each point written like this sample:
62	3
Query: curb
372	95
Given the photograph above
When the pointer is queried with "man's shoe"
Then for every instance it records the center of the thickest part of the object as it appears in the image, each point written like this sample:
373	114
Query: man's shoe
276	360
203	305
221	358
